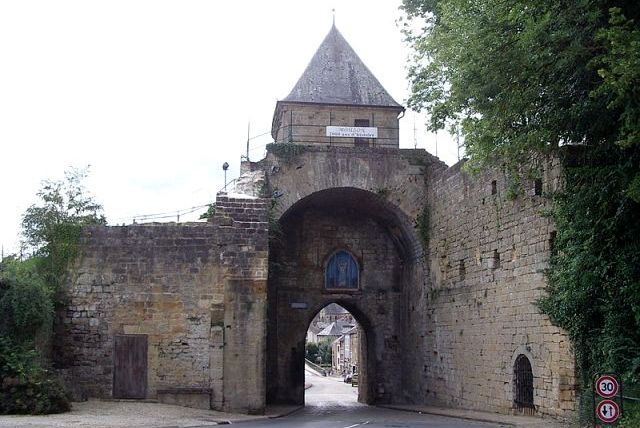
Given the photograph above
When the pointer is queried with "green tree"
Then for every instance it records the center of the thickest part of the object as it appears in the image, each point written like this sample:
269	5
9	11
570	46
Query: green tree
324	352
209	214
27	313
25	302
51	227
311	352
29	290
521	80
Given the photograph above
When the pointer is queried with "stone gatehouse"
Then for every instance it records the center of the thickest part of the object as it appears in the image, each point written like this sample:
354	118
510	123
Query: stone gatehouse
440	269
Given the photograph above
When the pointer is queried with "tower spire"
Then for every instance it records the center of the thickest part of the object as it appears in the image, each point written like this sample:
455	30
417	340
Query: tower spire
333	11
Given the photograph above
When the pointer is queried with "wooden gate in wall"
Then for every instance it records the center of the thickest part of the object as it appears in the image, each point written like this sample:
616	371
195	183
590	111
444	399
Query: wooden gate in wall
130	366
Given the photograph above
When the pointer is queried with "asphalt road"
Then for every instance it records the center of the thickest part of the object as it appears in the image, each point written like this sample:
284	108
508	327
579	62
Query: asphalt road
331	403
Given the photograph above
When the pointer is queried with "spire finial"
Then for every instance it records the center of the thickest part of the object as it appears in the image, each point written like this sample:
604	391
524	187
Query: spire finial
333	11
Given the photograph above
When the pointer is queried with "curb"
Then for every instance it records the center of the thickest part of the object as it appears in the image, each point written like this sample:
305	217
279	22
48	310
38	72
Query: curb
447	414
287	413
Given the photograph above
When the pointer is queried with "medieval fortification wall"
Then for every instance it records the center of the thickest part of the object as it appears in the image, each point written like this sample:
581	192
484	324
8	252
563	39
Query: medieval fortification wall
196	291
488	251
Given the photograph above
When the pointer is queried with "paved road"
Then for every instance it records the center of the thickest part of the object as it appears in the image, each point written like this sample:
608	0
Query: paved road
331	403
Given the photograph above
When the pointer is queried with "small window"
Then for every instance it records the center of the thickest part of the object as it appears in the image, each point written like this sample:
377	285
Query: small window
342	272
523	385
495	260
361	141
494	187
462	270
553	251
537	187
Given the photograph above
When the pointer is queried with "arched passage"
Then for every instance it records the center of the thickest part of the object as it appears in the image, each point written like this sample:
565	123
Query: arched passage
385	250
364	362
523	385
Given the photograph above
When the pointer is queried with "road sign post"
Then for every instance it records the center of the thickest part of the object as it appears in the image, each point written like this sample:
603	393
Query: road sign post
608	411
607	386
607	399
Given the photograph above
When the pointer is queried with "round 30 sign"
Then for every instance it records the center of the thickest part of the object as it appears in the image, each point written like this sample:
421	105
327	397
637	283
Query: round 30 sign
607	386
608	411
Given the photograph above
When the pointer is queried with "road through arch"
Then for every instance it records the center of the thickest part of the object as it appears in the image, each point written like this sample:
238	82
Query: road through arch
352	223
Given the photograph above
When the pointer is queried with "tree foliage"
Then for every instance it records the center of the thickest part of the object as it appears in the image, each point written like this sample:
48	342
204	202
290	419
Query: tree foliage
29	290
51	227
594	280
522	80
319	353
25	301
27	386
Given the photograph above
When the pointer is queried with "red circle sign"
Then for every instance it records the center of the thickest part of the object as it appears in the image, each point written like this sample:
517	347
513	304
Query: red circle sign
608	411
607	386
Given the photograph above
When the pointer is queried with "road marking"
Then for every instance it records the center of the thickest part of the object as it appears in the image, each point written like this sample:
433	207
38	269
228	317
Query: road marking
356	425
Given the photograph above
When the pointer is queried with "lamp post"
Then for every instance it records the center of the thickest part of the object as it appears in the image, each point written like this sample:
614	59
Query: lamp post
225	167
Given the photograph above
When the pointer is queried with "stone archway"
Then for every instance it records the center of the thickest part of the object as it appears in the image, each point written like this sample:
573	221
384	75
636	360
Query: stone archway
366	344
387	252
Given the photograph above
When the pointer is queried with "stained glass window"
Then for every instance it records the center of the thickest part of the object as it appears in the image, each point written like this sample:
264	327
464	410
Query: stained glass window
342	272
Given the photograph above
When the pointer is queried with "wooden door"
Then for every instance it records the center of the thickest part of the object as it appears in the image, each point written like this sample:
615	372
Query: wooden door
130	366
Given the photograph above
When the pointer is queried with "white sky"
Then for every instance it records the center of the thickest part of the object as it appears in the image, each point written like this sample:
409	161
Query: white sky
156	95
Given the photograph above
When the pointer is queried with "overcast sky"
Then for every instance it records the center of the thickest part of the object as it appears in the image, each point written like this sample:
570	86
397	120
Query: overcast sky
156	95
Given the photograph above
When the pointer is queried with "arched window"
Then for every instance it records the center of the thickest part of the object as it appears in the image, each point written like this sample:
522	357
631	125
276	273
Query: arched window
523	384
342	272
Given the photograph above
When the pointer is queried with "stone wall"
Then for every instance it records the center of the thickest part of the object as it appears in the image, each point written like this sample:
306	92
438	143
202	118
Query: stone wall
306	124
197	290
450	265
467	306
298	276
398	177
476	314
364	200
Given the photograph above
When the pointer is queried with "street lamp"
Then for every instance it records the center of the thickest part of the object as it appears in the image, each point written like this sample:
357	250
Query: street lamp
225	167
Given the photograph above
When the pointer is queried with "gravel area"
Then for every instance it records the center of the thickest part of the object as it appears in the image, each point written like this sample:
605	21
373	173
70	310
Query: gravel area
125	414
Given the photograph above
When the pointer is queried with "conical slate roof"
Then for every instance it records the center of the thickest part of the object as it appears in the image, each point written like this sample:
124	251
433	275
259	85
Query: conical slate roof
336	75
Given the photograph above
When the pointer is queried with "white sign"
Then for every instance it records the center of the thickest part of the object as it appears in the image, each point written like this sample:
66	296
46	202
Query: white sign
608	411
607	386
352	131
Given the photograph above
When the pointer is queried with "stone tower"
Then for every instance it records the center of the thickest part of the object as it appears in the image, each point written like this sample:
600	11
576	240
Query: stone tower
337	101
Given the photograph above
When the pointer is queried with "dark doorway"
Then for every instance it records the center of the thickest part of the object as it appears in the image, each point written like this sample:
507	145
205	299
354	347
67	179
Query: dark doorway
130	366
523	385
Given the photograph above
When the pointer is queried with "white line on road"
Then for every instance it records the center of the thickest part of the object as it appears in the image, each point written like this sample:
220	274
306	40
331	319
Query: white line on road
355	425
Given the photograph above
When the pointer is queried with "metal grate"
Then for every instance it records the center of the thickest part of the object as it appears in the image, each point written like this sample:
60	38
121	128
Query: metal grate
523	383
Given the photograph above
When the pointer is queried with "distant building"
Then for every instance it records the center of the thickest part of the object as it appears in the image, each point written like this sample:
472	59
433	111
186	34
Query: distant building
345	352
334	316
334	312
335	330
312	332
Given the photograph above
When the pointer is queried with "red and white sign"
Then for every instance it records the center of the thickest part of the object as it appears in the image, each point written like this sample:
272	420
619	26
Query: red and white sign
607	386
608	411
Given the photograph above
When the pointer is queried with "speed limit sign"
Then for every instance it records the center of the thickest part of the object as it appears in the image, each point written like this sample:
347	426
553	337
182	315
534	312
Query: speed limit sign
608	411
607	386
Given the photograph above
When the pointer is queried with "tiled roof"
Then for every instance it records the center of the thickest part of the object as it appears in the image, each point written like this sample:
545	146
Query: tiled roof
336	75
337	328
335	309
